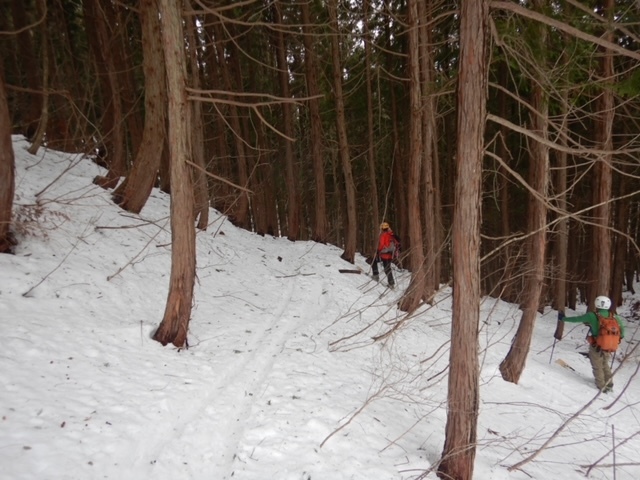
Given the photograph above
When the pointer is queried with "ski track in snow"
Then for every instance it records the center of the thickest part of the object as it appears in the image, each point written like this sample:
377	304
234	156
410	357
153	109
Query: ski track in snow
240	399
224	411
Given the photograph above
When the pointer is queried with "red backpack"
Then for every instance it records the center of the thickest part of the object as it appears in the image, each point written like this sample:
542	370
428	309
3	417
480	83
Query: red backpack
608	337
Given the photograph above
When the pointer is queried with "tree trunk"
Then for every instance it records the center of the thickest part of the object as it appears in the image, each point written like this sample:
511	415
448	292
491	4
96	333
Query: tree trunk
620	246
430	213
7	174
221	193
264	201
104	110
292	180
320	231
508	252
164	174
198	170
30	104
599	275
38	136
459	450
123	53
343	143
512	366
632	268
113	137
371	140
133	193
562	241
239	214
417	286
175	323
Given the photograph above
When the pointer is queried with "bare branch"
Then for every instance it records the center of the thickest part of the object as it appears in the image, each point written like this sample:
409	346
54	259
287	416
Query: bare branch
577	414
525	12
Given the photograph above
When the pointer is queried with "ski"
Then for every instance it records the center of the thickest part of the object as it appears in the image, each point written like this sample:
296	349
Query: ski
564	364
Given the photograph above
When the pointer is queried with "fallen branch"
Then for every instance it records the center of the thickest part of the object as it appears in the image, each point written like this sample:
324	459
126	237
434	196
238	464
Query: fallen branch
369	400
130	262
28	292
526	460
597	464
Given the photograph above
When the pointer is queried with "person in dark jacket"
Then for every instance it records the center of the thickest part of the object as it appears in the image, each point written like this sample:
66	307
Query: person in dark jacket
384	254
600	359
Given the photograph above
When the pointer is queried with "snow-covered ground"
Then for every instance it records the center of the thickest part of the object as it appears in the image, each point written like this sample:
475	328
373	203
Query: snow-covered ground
290	373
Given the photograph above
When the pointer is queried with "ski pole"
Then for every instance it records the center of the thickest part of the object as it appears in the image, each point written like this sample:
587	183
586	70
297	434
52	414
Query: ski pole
613	357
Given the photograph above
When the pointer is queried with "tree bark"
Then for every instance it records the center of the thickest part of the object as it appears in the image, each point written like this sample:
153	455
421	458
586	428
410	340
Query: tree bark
513	365
600	273
265	200
620	239
220	150
239	214
417	286
30	105
562	242
175	323
343	143
38	136
198	170
371	140
133	121
133	193
320	230
113	136
430	213
7	174
463	395
507	255
291	172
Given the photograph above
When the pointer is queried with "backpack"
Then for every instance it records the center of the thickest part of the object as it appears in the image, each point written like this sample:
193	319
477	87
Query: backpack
608	337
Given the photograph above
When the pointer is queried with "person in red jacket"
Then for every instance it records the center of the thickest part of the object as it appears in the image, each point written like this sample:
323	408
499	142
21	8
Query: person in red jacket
386	248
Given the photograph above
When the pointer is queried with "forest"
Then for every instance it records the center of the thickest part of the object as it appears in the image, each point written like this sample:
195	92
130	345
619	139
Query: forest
318	120
499	138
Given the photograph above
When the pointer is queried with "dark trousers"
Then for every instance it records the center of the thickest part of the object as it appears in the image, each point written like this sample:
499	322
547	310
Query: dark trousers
386	264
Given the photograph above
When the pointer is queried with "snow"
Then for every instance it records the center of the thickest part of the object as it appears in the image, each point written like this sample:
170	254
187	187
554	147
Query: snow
283	378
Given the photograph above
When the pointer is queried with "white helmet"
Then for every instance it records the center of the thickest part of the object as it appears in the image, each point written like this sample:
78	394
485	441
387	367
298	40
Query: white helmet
603	303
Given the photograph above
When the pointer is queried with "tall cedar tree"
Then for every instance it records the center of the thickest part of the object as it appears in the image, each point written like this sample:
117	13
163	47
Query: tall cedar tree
513	365
199	173
343	143
562	230
39	134
291	170
30	104
101	20
7	174
321	227
371	140
430	210
417	287
459	450
175	323
600	271
133	193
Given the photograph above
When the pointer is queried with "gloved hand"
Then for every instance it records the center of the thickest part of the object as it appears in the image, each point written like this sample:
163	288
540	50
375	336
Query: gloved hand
560	315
